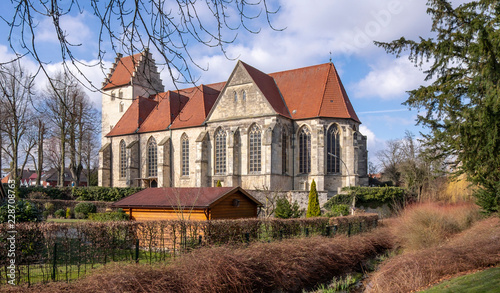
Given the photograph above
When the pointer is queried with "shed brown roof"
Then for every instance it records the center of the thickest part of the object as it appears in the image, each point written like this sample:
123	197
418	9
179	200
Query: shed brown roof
170	197
123	71
134	117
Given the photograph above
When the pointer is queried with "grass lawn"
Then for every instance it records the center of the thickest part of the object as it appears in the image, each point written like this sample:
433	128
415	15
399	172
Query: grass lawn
55	220
485	281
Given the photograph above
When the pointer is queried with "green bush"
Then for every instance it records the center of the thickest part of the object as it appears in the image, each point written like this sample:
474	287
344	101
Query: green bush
109	216
85	208
69	213
97	193
285	210
338	210
63	193
49	207
60	213
25	211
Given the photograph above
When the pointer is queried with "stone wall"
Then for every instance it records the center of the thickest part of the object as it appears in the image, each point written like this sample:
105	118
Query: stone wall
302	197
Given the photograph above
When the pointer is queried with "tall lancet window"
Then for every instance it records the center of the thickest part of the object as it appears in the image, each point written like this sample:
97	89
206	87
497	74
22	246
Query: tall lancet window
284	151
254	149
304	150
220	152
123	159
152	158
185	155
333	150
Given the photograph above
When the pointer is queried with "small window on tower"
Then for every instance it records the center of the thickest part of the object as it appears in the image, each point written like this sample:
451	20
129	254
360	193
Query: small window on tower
235	96
121	107
244	94
113	96
120	95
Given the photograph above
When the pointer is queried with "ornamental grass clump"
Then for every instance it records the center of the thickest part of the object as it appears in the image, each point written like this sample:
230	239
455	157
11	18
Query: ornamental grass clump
429	224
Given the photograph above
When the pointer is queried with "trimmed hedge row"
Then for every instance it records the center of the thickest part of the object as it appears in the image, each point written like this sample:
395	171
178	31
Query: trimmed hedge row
97	193
91	193
369	196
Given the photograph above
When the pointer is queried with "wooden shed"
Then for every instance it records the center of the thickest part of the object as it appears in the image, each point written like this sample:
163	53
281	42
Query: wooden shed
202	203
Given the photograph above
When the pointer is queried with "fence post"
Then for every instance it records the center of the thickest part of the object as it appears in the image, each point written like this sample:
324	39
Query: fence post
199	239
335	228
327	231
54	262
360	227
137	251
247	237
281	234
349	230
307	232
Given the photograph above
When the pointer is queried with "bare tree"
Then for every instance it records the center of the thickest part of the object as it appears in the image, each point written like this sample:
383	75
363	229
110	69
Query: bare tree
16	87
390	158
129	26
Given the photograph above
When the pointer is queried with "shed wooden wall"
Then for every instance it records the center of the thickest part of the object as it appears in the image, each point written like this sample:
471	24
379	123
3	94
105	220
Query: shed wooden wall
224	209
141	214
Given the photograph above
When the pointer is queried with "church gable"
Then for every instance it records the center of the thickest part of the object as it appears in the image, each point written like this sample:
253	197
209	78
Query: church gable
242	96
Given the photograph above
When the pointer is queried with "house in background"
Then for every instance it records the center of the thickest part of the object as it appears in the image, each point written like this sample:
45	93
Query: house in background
26	178
50	177
205	203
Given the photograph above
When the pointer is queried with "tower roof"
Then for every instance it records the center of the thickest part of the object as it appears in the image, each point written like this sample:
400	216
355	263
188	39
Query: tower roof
122	71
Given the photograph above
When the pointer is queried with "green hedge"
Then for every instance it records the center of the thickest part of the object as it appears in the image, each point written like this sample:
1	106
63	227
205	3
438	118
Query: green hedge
63	193
97	193
109	216
369	196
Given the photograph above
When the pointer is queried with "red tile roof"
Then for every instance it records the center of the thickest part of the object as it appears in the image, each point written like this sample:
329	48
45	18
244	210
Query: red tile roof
195	197
303	93
269	89
169	106
201	101
314	91
134	117
123	71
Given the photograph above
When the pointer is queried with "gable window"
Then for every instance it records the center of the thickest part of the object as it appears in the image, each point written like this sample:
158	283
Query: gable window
121	107
185	155
333	150
254	147
235	96
113	96
220	152
152	158
120	95
304	150
123	159
284	146
244	95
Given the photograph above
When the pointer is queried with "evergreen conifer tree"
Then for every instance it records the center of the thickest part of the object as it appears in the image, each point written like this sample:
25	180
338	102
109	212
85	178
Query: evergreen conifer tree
313	209
462	105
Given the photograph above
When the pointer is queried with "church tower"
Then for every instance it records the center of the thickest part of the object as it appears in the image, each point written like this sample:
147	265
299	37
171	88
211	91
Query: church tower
130	77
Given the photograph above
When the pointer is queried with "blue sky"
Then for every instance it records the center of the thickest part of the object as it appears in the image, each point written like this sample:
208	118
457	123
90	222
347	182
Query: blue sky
375	82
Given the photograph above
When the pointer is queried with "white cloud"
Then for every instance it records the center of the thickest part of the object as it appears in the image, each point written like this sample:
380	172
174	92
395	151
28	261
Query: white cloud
389	79
75	29
375	144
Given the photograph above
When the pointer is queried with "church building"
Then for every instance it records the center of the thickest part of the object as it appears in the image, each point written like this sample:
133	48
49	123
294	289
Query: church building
260	131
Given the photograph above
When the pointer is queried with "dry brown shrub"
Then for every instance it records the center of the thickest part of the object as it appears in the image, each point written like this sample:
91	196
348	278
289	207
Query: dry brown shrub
478	247
286	266
428	224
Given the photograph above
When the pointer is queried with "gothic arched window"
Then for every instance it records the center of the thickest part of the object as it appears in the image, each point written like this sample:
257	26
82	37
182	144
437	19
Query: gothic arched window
304	150
184	155
235	96
123	159
244	95
333	150
152	158
220	152
254	149
284	146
